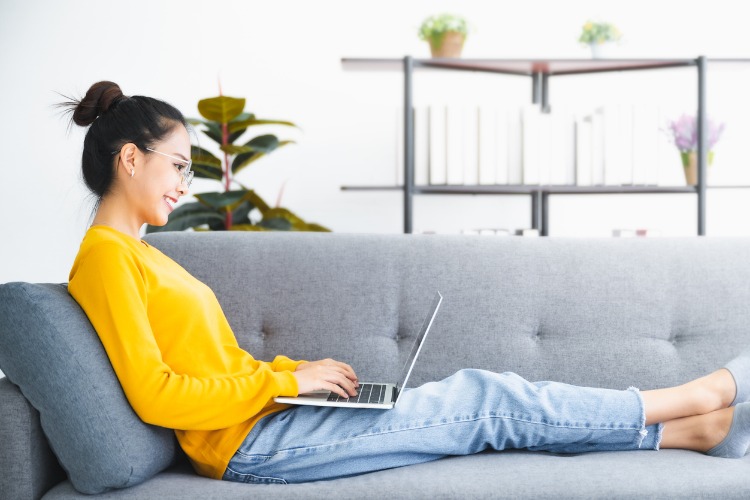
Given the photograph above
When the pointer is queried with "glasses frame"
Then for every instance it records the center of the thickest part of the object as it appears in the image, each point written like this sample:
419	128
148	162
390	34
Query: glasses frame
187	174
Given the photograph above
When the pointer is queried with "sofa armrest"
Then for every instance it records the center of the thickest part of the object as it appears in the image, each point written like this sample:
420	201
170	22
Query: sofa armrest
28	468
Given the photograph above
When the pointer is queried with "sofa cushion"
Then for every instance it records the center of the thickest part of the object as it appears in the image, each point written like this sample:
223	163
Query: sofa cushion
49	349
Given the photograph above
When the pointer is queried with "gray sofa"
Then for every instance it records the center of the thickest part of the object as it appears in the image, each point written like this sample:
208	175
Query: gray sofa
647	312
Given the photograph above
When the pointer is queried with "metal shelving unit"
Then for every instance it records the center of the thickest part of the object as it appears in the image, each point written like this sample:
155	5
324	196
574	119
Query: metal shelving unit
540	71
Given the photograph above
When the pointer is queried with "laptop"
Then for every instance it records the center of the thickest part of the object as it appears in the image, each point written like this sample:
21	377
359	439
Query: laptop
382	396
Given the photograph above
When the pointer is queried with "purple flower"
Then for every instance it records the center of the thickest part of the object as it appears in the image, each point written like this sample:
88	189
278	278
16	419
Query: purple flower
685	133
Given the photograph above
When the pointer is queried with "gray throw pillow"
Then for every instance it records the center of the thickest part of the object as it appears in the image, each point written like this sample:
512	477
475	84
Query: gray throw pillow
49	349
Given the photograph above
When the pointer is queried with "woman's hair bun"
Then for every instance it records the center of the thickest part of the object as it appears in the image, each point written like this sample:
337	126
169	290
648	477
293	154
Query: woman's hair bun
99	99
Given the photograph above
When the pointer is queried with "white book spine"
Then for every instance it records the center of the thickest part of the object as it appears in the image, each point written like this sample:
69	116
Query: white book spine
626	147
488	142
471	145
515	145
501	140
545	145
584	150
438	172
563	142
421	146
531	153
597	147
454	128
612	146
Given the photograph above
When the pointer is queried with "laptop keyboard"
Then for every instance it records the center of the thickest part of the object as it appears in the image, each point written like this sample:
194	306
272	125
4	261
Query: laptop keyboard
368	393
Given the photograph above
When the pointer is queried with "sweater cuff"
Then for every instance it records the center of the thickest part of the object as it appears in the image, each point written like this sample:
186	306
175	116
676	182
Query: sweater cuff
287	384
282	363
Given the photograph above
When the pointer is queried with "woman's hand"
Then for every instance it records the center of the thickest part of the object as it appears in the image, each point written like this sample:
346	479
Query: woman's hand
327	374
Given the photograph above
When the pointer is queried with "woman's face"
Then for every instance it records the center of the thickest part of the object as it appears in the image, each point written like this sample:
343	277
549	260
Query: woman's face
160	183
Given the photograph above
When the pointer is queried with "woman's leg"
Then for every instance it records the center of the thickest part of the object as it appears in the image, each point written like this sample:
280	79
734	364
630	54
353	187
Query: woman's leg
466	413
697	397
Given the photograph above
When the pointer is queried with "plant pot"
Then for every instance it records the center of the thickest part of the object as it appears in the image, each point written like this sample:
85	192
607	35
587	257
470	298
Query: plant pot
449	45
690	165
600	50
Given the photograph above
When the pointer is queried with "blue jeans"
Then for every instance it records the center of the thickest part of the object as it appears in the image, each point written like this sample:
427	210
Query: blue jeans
471	411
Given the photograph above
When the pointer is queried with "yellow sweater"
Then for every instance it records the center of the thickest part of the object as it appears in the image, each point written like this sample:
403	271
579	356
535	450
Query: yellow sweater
172	348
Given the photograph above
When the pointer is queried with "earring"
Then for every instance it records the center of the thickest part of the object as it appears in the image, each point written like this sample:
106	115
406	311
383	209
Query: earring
132	173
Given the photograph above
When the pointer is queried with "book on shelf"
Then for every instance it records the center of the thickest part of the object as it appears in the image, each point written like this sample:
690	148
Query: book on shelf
421	146
514	134
597	147
562	147
617	168
438	174
612	145
489	140
584	149
454	144
470	135
531	138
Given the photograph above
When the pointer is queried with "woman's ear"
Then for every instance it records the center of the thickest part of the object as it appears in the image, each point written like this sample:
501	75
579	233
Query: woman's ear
127	157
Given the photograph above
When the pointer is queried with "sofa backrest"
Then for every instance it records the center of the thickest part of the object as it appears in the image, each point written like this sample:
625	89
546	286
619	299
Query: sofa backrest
647	312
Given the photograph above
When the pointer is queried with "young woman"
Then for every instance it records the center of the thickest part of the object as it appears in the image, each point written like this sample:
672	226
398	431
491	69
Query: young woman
180	365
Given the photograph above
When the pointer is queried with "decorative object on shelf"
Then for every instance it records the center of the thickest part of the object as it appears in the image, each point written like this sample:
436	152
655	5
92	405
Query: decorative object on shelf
446	34
684	134
599	36
231	209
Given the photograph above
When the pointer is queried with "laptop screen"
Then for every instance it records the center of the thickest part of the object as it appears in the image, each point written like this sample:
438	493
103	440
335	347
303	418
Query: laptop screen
418	341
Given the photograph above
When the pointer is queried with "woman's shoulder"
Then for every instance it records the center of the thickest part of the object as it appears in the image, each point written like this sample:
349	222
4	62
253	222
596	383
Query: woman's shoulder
102	245
105	238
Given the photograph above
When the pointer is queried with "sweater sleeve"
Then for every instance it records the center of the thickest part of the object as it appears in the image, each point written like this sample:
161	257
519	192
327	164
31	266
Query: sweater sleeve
110	284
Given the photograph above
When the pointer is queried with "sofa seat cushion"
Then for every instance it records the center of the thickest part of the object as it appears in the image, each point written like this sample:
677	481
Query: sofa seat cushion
49	349
507	474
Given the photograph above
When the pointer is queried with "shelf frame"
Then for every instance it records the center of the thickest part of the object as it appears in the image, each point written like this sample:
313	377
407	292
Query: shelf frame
540	71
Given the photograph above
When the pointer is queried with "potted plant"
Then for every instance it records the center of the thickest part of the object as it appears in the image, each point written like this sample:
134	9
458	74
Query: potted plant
235	206
684	133
597	35
446	34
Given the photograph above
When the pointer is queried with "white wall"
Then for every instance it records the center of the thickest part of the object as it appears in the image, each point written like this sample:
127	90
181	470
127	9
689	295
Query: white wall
284	57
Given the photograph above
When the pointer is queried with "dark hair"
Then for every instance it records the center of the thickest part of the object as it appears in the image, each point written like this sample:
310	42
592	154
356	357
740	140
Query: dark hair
115	120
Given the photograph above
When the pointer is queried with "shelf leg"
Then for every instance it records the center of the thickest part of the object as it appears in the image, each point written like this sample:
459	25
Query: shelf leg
702	145
408	146
537	211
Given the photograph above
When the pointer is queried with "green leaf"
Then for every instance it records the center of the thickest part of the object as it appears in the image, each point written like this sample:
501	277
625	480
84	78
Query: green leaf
240	215
233	149
187	216
246	227
243	160
222	200
276	223
221	109
263	143
205	164
243	124
213	130
257	201
317	228
243	117
273	216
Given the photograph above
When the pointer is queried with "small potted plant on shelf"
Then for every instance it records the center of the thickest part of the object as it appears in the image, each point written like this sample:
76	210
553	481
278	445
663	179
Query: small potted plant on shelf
684	133
598	35
446	34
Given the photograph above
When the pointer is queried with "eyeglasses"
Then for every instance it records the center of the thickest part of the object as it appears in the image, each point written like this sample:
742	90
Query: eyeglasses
183	166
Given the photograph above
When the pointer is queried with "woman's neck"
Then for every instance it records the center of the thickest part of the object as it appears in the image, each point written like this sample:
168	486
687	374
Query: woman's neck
108	214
